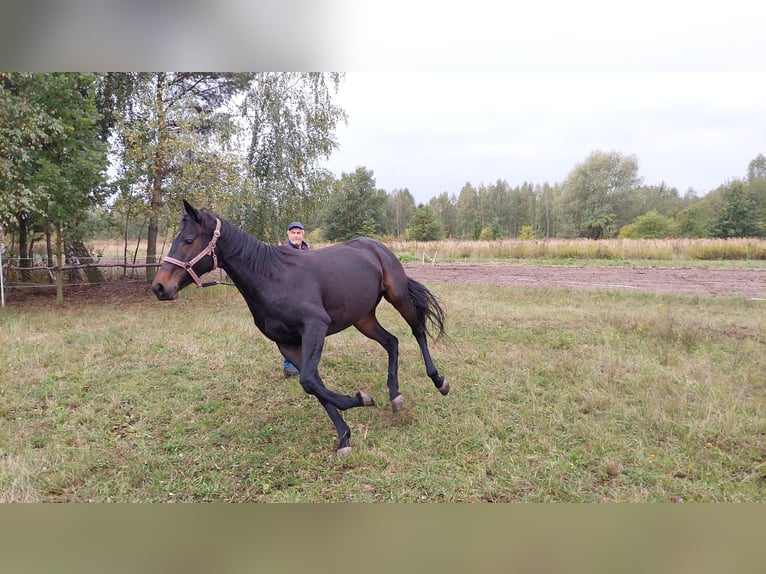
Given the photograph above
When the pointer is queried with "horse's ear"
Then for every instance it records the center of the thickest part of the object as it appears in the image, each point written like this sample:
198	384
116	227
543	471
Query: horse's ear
190	211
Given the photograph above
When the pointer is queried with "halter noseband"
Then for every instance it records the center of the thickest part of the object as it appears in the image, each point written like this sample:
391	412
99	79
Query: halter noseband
209	250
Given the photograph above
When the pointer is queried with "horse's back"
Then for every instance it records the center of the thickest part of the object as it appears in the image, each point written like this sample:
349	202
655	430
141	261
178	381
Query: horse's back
358	249
362	262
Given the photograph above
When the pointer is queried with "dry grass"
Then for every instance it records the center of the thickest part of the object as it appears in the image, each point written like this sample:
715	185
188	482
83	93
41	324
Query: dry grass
747	249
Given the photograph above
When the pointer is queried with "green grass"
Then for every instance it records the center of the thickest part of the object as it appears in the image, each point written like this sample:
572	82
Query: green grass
556	396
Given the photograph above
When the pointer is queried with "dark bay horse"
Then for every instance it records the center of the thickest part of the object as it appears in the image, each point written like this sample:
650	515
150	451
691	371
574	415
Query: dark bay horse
297	298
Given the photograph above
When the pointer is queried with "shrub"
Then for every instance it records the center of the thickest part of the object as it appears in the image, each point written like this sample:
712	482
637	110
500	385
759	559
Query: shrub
650	225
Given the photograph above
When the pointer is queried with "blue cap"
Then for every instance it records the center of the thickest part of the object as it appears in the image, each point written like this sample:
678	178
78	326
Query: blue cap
295	224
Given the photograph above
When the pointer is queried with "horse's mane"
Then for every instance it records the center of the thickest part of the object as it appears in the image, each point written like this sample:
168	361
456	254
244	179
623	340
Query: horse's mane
261	257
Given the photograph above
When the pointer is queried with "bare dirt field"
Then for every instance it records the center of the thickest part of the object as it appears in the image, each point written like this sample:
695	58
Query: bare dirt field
709	282
713	282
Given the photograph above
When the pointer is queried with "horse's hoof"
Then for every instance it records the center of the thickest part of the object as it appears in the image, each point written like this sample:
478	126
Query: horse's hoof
366	399
444	389
397	403
343	452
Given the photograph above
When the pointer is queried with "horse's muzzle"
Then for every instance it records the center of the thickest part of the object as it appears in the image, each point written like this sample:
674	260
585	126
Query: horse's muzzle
158	288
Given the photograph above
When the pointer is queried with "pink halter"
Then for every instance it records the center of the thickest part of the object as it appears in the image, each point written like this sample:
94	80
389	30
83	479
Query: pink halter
209	250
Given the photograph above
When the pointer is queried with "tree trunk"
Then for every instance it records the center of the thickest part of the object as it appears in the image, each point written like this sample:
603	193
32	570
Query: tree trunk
159	170
48	244
25	260
59	261
151	235
84	256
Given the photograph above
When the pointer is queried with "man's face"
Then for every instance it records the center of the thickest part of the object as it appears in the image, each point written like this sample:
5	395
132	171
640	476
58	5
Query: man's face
295	235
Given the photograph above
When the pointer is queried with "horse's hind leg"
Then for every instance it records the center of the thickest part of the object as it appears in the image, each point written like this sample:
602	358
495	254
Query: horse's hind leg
370	327
439	382
416	318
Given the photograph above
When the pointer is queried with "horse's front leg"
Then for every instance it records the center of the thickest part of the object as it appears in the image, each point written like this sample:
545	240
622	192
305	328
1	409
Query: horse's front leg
311	353
307	356
344	432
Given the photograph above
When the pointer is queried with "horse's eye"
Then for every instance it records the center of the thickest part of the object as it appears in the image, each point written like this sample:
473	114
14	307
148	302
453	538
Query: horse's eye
189	240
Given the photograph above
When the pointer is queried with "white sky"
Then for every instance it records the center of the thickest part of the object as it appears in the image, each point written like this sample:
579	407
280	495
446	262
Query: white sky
433	132
478	91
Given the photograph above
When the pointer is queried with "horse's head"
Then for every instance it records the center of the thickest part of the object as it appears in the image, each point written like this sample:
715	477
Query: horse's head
191	255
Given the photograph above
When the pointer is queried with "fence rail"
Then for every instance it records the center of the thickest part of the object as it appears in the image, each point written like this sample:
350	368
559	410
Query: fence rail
54	268
16	276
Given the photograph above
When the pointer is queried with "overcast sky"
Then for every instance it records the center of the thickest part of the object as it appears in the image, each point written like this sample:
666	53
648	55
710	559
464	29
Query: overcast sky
433	132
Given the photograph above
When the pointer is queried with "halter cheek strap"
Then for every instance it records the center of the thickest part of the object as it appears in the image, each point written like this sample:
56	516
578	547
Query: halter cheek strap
209	250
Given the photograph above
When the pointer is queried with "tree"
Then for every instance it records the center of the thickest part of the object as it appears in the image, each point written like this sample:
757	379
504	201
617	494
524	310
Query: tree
72	167
698	217
291	121
444	210
737	216
24	127
170	124
400	205
660	198
756	182
547	219
424	226
54	158
467	212
355	207
594	193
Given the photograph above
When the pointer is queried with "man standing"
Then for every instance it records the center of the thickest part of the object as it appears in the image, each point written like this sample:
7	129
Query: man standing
295	239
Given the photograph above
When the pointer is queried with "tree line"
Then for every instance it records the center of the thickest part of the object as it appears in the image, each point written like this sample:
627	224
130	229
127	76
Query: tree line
85	154
602	197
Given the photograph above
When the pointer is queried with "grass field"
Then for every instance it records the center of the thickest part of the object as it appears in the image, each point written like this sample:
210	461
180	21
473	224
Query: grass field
556	396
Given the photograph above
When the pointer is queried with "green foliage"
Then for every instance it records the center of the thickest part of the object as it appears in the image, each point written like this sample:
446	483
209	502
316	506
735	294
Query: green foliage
491	232
697	219
756	182
424	226
527	233
446	212
737	217
173	132
594	191
355	208
598	227
400	206
651	225
26	125
71	168
291	121
53	158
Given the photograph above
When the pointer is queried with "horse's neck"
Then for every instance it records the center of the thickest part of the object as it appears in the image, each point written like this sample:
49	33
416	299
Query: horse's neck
242	256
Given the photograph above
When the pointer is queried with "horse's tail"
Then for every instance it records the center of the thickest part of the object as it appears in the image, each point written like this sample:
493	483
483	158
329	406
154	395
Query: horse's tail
428	308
